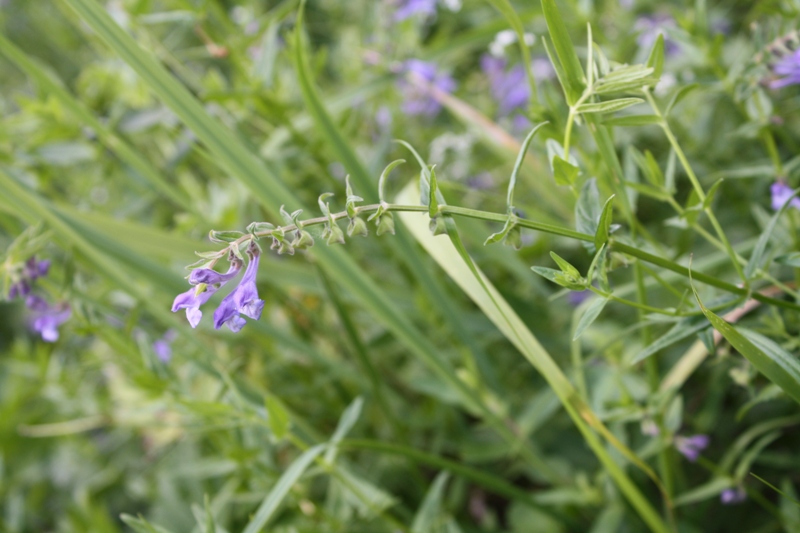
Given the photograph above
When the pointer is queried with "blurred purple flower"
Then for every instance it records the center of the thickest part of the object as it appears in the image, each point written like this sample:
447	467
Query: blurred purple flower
409	8
508	86
781	193
542	68
24	278
243	300
418	100
208	282
650	27
733	496
690	447
46	318
576	298
789	68
163	346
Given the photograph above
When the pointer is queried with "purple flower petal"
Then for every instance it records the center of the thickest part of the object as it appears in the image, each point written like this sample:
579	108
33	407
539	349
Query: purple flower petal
417	97
45	318
243	300
781	193
409	8
733	496
191	300
690	447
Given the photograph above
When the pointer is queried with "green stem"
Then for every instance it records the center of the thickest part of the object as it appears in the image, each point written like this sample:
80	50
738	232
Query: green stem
697	187
538	226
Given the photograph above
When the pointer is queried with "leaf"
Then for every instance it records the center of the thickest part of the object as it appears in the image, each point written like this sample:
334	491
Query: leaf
791	259
632	120
752	454
656	59
512	182
140	525
565	265
346	422
608	106
705	491
278	417
564	173
754	263
430	513
683	329
589	316
679	95
764	354
588	209
568	59
604	224
711	193
287	480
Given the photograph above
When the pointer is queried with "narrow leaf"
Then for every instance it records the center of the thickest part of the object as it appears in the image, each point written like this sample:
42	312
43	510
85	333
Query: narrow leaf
632	120
754	263
292	474
656	59
604	225
568	58
609	106
589	316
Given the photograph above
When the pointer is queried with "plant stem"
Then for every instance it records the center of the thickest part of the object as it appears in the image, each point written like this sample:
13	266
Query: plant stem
538	226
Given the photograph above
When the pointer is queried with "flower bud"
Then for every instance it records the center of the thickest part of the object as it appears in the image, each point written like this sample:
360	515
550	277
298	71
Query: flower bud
335	235
385	224
357	227
303	240
438	225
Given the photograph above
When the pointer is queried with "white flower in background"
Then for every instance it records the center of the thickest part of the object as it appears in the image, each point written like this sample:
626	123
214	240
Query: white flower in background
506	37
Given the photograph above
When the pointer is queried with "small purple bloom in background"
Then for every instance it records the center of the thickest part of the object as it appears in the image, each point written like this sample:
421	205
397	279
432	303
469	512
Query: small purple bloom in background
207	282
733	496
780	193
45	318
243	300
789	68
542	68
418	99
408	8
509	87
650	27
690	447
576	298
163	346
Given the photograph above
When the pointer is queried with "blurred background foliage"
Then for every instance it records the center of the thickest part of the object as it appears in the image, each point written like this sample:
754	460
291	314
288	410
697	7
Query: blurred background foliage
119	193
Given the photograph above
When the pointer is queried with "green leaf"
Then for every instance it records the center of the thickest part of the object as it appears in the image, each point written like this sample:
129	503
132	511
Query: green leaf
140	525
791	259
384	175
609	106
711	193
568	59
565	265
604	224
656	59
632	120
754	263
559	278
764	354
430	513
705	491
679	95
346	422
564	173
588	209
278	417
685	328
752	454
266	510
589	315
433	205
512	182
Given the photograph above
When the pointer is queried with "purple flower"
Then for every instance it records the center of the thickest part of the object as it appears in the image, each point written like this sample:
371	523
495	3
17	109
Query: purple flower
19	289
509	87
733	496
423	76
576	298
409	8
163	346
789	68
26	275
46	318
780	195
243	300
650	27
207	282
690	447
